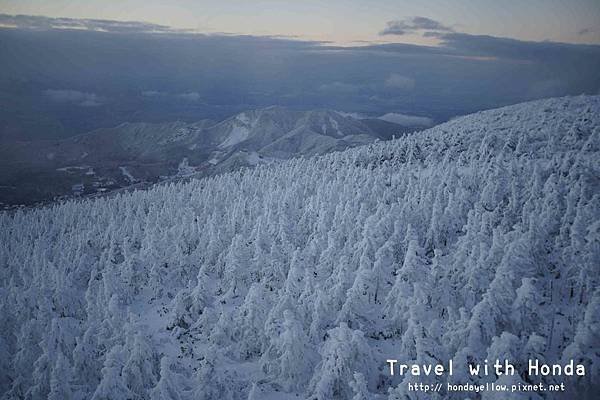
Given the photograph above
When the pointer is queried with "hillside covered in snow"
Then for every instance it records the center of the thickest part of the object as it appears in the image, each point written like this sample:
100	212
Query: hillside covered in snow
476	239
140	154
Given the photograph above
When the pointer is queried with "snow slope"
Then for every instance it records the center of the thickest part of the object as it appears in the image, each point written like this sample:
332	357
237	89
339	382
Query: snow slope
476	239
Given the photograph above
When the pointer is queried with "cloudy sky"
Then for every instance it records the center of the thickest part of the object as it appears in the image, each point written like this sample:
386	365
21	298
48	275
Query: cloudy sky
73	66
341	21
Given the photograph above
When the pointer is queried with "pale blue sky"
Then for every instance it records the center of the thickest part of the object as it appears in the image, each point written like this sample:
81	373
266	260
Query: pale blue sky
343	22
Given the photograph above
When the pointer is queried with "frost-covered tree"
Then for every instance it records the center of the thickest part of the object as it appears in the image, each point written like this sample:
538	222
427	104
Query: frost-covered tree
280	358
250	322
344	353
525	307
398	299
211	381
583	348
140	369
61	380
113	384
359	387
168	387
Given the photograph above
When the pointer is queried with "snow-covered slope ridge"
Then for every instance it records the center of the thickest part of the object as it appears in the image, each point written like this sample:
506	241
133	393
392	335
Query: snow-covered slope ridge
477	239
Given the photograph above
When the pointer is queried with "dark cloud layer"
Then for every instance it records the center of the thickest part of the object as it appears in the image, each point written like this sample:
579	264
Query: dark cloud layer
586	31
39	22
57	82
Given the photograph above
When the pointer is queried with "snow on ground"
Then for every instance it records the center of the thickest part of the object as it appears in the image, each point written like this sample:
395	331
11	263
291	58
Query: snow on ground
254	158
125	172
336	126
473	240
240	130
184	168
237	135
73	168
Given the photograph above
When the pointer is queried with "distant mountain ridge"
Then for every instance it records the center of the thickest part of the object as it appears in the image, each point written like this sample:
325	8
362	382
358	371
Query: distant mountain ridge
111	158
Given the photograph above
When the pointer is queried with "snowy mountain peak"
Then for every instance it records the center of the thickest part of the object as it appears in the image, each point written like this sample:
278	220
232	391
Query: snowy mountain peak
264	127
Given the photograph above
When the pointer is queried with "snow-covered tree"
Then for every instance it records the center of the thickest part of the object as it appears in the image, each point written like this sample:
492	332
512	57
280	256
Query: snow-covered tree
167	388
359	387
113	384
61	380
140	368
344	353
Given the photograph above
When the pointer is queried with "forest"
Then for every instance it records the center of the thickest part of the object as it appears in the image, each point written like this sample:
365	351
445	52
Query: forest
478	239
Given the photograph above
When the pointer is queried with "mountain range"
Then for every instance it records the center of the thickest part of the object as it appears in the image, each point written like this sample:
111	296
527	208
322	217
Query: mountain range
141	154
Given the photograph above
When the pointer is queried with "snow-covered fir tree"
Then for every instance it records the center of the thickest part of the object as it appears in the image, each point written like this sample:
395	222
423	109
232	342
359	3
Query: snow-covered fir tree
477	238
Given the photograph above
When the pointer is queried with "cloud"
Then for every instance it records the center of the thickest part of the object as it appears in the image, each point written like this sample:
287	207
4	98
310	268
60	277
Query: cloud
550	53
151	93
586	31
396	118
396	81
191	96
193	76
407	120
423	23
354	115
414	25
339	88
187	96
82	99
44	23
394	28
561	57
